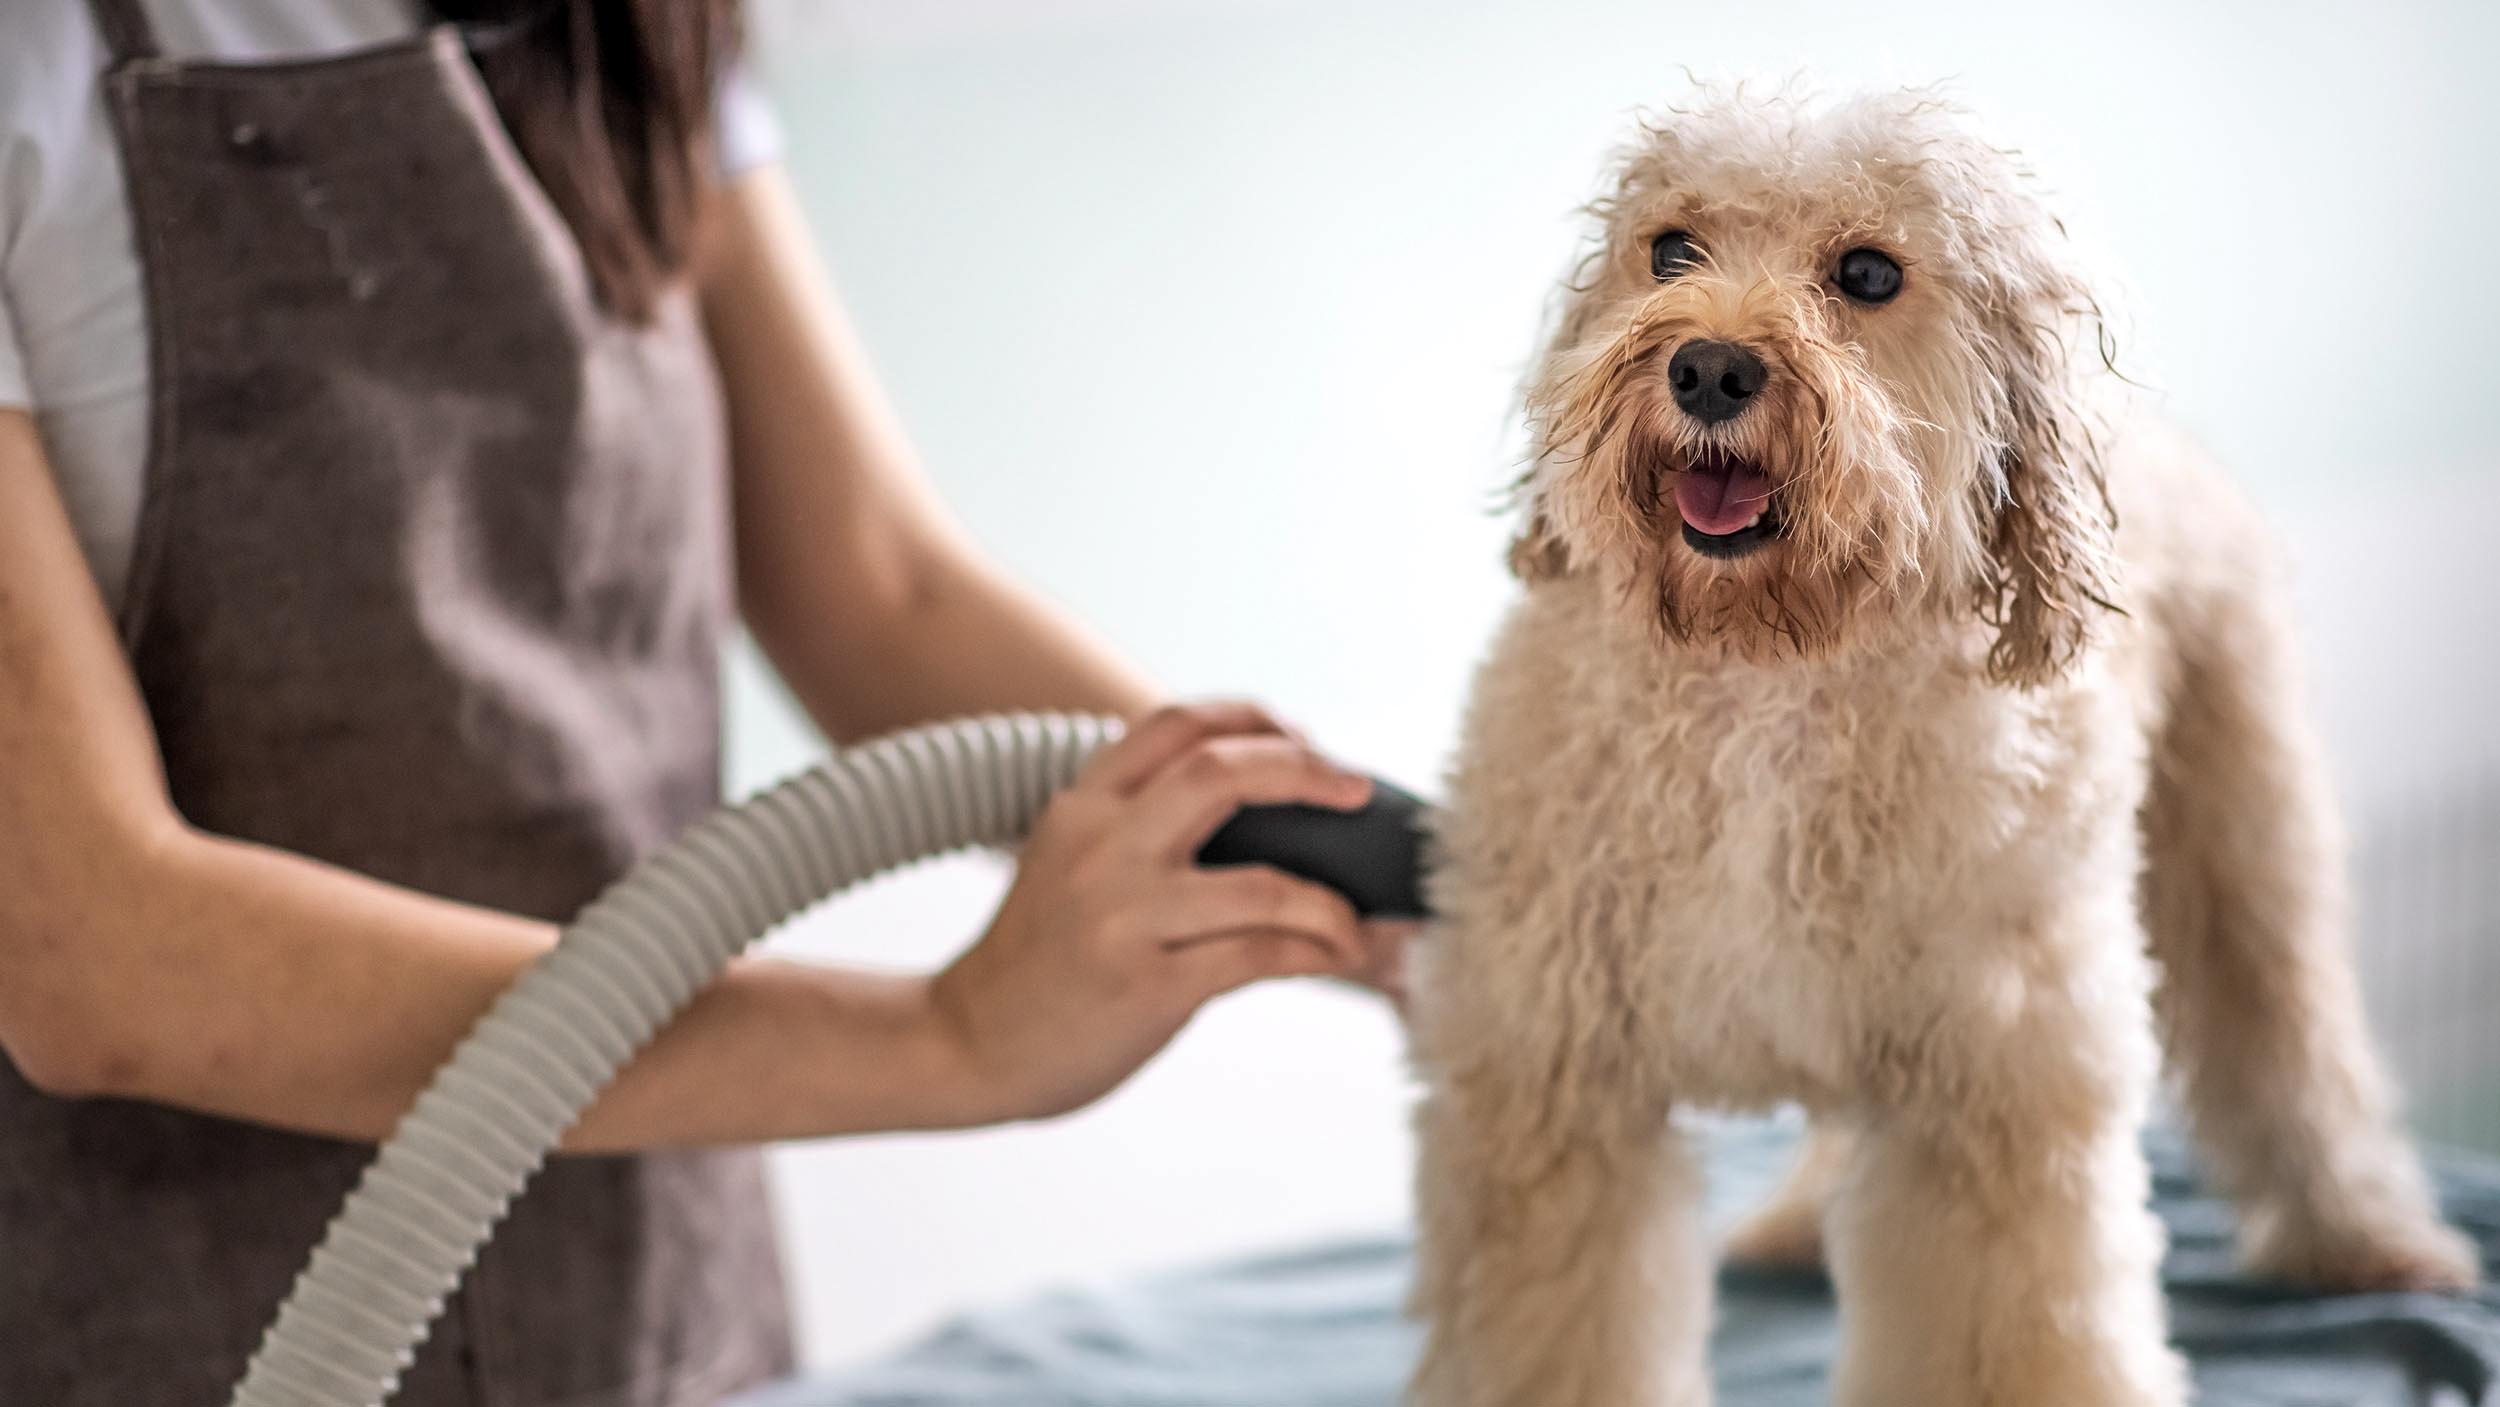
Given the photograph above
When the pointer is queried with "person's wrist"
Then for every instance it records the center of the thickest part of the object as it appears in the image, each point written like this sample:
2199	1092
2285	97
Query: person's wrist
902	1067
960	1090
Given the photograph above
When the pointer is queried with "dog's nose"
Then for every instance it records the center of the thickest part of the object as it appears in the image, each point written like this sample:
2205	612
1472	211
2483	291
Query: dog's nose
1714	381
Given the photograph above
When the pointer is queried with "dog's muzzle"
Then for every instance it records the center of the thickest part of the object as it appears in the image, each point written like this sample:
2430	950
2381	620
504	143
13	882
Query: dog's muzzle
1725	499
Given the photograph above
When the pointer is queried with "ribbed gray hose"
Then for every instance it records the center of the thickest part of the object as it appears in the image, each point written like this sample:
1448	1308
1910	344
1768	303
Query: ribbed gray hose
626	965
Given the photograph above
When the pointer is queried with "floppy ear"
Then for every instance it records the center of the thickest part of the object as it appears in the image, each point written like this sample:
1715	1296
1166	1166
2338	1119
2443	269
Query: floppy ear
1536	550
1536	554
2051	532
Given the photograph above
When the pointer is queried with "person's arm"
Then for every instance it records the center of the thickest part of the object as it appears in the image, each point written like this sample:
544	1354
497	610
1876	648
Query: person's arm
851	575
141	958
868	598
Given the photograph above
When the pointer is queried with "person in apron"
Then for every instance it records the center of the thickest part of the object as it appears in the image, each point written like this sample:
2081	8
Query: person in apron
426	604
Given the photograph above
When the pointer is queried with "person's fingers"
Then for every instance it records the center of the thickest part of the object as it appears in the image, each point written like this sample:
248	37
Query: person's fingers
1204	905
1382	954
1201	788
1165	734
1213	966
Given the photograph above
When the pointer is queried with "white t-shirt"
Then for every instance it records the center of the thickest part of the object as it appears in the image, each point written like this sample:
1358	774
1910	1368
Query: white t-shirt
73	327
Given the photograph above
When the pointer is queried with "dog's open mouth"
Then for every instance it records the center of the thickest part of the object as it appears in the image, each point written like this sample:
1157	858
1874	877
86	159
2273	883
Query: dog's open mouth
1726	503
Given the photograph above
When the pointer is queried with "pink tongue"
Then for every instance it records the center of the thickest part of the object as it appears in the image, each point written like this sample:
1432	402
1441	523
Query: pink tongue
1721	497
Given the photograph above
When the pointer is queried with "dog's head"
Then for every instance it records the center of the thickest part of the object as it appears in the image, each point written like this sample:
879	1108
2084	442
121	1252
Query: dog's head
1825	372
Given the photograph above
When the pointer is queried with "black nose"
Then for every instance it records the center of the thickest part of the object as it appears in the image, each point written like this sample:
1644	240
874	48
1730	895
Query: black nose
1714	381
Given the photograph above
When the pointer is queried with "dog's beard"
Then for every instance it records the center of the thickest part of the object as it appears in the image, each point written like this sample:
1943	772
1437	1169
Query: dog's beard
1786	597
1840	542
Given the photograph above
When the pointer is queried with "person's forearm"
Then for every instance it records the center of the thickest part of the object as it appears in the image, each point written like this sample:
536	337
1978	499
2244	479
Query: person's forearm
142	958
971	642
237	980
856	581
779	1050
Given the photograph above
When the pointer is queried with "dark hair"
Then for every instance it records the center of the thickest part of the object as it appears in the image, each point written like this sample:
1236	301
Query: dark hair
610	103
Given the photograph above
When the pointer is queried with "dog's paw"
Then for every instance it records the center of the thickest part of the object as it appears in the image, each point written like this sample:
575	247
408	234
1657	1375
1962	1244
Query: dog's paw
2392	1253
1785	1235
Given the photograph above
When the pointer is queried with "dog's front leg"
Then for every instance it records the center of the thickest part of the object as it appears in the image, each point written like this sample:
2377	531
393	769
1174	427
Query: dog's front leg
1561	1260
2002	1260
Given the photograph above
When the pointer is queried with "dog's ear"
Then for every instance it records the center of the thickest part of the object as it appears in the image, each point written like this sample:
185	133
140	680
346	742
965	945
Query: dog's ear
1536	554
2048	524
1536	550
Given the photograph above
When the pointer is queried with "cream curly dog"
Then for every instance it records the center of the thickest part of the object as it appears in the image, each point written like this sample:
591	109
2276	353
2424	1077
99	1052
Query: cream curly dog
1895	724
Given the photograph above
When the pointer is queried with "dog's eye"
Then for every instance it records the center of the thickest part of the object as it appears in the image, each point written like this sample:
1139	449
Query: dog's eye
1671	254
1869	275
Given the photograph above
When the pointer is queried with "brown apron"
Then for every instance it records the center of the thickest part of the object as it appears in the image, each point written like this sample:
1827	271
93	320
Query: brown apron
429	584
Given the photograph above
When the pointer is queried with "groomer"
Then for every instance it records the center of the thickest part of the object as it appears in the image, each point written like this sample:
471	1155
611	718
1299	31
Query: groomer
393	418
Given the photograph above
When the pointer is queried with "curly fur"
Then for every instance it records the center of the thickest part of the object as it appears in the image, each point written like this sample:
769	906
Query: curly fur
1925	815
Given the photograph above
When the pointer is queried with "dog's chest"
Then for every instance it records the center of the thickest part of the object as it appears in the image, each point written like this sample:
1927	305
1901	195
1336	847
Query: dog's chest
1765	868
1799	817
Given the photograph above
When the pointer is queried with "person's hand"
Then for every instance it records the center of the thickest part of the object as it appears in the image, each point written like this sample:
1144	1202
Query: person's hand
1383	964
1111	936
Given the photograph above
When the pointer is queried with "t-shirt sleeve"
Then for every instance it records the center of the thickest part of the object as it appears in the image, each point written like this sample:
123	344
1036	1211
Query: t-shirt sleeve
15	394
16	193
746	132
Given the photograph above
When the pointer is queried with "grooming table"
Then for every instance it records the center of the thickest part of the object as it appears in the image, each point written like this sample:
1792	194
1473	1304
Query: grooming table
1320	1326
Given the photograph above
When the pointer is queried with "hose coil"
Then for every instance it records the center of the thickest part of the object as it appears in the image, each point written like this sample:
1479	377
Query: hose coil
635	956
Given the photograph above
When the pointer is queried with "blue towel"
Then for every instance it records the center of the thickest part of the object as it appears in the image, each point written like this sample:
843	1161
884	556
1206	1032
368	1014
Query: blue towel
1321	1326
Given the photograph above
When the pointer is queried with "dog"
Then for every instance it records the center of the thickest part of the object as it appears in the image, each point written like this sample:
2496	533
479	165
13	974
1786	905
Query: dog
1897	722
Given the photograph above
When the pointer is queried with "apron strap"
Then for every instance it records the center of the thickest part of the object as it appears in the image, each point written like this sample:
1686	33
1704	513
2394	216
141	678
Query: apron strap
126	29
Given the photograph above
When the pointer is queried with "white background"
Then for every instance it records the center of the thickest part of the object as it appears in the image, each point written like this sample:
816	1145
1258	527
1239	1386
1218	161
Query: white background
1207	318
